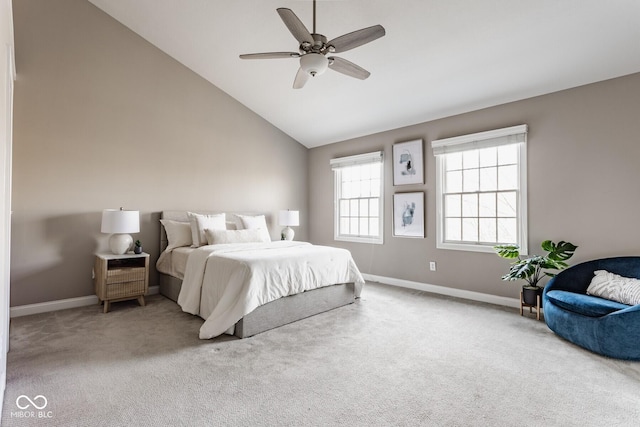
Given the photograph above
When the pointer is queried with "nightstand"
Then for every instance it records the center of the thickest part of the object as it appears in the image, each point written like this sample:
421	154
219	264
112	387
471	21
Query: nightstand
121	277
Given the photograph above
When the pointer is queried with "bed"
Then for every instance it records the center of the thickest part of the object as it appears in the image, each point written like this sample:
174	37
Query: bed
250	287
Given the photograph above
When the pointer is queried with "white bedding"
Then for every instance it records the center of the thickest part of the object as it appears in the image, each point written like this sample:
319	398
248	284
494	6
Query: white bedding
174	262
222	283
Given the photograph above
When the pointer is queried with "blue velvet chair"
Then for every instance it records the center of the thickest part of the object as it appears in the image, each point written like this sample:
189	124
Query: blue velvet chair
602	326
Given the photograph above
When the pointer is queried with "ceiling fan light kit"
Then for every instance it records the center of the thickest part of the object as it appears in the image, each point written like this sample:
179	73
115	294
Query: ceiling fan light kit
314	63
313	49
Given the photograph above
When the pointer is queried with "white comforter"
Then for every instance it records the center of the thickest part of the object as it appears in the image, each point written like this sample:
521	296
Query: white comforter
222	283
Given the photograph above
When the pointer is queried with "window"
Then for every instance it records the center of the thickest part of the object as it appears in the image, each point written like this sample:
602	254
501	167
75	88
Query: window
358	198
481	190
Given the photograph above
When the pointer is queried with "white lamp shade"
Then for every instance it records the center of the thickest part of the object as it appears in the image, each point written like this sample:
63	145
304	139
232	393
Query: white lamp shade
120	221
289	218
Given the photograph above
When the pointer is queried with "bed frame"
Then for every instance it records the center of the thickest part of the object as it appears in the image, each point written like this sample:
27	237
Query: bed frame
271	315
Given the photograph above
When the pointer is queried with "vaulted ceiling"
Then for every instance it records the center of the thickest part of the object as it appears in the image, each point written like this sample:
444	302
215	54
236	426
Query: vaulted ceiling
438	58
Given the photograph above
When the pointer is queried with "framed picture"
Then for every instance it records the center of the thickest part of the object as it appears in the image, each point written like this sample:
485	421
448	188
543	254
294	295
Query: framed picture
408	163
408	214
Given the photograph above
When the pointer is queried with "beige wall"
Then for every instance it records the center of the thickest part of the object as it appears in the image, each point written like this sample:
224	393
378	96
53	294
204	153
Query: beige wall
102	120
91	95
583	178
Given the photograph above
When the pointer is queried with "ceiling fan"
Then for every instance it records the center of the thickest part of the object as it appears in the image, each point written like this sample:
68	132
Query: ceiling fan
314	48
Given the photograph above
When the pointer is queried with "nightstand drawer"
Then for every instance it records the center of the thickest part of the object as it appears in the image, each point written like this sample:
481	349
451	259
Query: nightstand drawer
125	289
123	275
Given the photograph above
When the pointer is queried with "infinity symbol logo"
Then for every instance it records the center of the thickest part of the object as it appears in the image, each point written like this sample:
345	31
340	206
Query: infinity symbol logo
30	402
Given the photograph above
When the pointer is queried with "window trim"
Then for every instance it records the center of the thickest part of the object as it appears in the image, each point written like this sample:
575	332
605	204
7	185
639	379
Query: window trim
505	136
343	162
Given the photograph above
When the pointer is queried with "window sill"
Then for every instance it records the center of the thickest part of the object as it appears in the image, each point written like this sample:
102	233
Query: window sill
465	247
471	247
359	240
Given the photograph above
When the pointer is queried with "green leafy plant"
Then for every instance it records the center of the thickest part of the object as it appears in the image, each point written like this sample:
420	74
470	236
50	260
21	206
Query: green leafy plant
138	243
532	269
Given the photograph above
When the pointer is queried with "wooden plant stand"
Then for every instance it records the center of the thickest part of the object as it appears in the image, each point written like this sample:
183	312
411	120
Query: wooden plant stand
531	307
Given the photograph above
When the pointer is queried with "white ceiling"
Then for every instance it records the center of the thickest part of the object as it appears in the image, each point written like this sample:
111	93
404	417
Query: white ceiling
438	58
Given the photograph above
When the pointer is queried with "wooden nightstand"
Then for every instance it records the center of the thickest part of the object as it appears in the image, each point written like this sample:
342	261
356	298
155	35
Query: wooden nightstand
121	277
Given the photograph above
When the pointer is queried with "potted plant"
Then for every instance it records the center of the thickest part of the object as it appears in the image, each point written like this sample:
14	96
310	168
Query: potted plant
138	247
535	267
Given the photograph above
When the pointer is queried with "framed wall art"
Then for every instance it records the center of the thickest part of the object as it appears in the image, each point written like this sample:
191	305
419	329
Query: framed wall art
408	163
408	214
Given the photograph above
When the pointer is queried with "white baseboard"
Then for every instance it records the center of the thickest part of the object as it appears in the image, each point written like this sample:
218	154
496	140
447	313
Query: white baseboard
443	290
63	304
44	307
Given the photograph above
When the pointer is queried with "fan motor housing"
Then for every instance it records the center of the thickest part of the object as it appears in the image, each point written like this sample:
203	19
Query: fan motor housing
319	44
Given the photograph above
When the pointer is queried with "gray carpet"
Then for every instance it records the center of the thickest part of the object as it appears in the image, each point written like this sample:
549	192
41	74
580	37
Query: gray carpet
397	357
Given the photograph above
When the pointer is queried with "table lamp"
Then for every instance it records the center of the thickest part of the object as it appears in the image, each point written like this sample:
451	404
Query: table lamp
120	223
288	219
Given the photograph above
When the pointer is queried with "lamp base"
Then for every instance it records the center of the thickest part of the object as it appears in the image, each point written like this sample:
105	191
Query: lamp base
120	243
287	233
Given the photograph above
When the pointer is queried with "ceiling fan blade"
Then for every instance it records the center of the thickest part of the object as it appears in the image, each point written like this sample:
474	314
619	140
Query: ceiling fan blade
295	25
270	55
357	38
301	79
347	67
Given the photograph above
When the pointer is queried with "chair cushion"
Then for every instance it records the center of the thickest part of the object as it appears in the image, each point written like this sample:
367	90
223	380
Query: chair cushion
586	305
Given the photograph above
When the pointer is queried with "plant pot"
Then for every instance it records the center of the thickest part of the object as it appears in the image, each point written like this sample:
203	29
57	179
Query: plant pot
530	295
137	249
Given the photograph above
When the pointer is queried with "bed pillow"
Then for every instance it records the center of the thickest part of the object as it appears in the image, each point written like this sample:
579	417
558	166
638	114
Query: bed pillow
235	220
178	234
250	222
254	235
200	222
614	287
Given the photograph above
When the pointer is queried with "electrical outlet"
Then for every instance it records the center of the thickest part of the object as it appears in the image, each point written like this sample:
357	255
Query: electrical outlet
432	266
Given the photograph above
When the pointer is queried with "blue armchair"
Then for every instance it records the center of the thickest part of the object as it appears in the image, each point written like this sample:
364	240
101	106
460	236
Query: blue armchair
602	326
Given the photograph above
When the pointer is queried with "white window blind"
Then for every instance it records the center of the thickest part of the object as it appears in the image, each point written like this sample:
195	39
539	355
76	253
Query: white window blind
358	159
474	141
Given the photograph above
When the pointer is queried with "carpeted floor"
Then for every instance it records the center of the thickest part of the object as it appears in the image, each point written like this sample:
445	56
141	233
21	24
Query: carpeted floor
397	357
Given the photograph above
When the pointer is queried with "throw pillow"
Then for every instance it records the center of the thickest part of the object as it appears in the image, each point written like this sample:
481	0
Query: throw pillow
216	237
614	287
